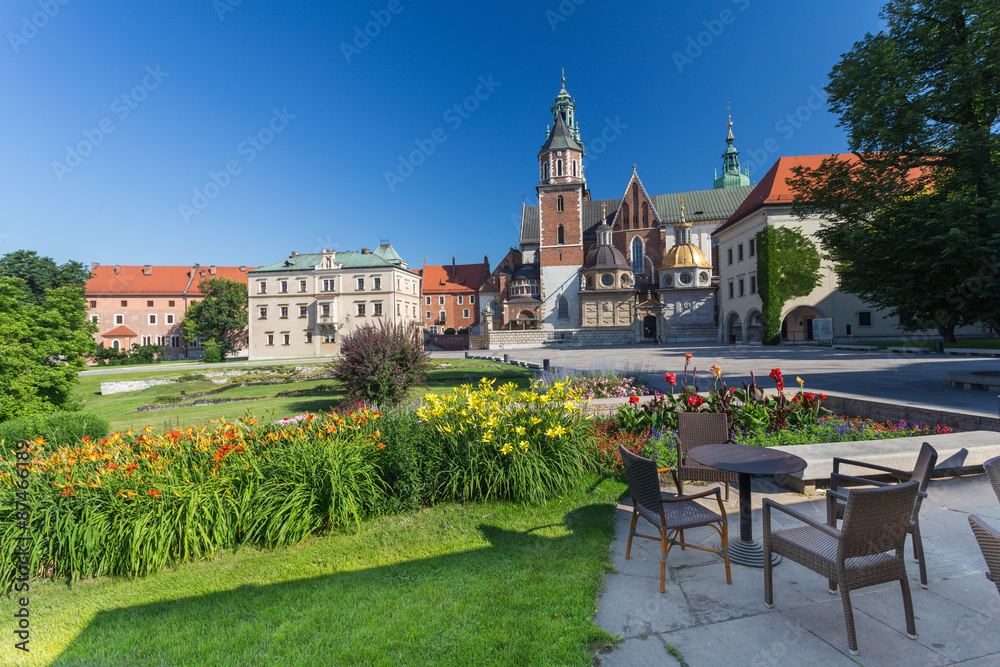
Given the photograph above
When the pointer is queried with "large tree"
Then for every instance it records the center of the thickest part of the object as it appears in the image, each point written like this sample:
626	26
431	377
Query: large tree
787	267
42	273
914	217
221	316
42	346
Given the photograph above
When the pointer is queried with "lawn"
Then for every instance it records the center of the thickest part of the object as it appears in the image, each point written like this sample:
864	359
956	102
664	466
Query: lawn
120	409
481	583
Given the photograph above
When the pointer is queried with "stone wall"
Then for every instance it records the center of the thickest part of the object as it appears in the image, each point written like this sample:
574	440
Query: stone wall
513	340
882	412
108	388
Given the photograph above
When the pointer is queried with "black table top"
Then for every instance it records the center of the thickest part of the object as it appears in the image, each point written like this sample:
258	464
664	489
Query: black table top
747	459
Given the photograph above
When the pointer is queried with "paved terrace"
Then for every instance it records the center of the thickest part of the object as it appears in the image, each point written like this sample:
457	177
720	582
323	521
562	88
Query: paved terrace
701	620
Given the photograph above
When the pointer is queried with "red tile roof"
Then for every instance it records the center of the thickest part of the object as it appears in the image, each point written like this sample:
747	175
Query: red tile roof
120	332
773	187
165	280
452	278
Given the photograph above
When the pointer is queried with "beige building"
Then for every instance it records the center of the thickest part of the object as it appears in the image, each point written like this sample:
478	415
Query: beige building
739	303
302	306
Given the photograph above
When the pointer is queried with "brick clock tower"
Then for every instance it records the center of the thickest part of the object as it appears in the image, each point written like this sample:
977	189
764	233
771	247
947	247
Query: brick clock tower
562	191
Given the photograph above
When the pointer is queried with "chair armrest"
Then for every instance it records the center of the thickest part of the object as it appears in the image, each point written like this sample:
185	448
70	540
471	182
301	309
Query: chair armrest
837	477
680	499
871	466
822	527
667	469
833	493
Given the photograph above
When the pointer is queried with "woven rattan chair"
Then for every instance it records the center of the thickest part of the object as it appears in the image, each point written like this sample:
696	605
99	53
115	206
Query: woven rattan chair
867	550
989	544
670	514
921	474
992	468
693	430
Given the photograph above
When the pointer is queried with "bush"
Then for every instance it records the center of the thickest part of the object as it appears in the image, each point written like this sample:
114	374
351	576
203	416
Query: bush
192	377
57	429
463	331
449	331
503	443
381	362
214	352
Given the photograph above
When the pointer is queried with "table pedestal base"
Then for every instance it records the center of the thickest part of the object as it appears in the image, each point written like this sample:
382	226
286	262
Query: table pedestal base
749	553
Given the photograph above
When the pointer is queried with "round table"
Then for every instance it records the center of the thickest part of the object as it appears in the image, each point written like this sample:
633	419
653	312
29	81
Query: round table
747	460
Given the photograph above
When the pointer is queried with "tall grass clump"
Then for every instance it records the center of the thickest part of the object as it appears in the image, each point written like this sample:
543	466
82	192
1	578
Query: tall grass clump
57	429
134	503
501	443
381	363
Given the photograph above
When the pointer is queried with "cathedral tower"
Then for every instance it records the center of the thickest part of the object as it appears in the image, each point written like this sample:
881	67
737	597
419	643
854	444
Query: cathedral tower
731	175
562	191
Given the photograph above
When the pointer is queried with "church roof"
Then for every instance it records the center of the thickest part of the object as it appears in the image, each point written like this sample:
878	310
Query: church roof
605	257
530	232
685	255
561	138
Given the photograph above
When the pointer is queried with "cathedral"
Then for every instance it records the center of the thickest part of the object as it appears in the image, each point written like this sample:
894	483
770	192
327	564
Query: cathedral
622	270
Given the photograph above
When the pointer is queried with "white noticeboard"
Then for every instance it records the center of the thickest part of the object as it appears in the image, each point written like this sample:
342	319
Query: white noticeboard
823	329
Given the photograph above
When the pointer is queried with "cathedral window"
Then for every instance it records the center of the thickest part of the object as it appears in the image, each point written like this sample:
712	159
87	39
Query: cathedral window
637	255
545	171
645	214
561	233
559	168
559	206
576	170
563	313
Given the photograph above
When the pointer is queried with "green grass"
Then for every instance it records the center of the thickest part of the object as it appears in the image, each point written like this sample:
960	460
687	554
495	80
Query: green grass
120	409
490	583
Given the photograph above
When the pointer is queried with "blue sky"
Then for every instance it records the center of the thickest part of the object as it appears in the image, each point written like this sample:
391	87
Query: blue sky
233	132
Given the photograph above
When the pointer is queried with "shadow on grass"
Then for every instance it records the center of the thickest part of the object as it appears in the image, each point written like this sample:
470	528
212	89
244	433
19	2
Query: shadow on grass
526	598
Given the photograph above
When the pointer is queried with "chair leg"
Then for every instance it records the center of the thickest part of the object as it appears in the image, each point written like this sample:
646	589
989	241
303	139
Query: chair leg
631	532
727	491
725	551
918	552
664	541
852	637
768	583
911	626
677	482
681	532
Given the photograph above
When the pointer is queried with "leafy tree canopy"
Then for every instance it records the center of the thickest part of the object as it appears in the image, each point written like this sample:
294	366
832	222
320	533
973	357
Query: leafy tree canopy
42	346
221	315
914	219
42	273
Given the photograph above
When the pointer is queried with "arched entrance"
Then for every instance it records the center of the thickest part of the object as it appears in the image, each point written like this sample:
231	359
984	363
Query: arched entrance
797	327
754	332
649	326
734	329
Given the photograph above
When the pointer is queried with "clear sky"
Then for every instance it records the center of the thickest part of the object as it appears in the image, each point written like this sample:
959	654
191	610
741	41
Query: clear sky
233	132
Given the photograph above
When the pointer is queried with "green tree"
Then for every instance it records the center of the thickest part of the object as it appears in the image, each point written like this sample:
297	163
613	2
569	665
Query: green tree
221	316
913	218
42	347
787	268
42	273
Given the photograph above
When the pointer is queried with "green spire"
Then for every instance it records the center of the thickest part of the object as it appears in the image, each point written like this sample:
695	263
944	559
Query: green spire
731	175
564	109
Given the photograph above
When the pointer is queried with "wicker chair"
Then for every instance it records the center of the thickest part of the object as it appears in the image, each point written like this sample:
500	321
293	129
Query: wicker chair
693	430
670	514
867	550
989	544
992	468
921	474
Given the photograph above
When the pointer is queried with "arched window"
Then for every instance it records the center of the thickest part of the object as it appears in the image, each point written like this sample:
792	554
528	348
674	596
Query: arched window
645	214
625	216
561	235
635	205
545	171
559	171
563	313
576	171
559	204
637	255
116	345
495	307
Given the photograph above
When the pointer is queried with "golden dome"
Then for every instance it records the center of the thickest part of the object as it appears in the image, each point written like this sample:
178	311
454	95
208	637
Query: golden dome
686	255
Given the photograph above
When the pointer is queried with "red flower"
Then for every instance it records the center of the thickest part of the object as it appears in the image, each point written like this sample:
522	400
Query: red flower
822	395
688	355
671	378
776	376
67	492
633	399
695	401
155	493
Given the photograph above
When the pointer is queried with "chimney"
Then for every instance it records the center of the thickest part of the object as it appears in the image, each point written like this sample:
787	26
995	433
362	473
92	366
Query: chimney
454	271
211	269
94	265
366	251
243	269
117	269
294	254
147	270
